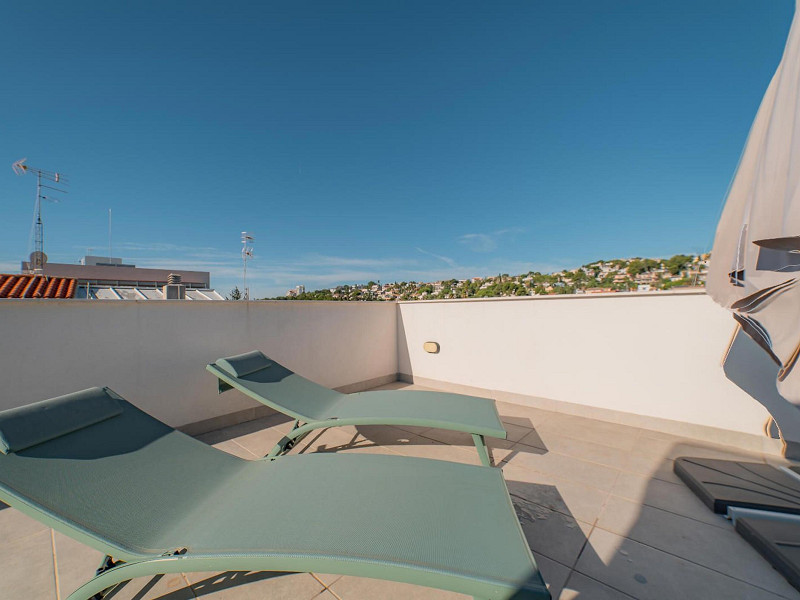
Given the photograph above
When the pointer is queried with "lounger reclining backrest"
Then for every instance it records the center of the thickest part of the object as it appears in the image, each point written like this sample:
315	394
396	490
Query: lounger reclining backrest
274	385
96	443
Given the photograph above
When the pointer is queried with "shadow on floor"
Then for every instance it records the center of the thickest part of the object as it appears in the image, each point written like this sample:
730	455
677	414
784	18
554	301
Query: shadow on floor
211	585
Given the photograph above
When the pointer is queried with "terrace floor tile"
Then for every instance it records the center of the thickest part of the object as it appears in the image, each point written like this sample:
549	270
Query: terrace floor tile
647	573
361	588
241	585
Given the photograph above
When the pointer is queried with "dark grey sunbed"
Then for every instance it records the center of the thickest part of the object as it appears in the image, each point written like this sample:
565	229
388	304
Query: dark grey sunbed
101	471
318	407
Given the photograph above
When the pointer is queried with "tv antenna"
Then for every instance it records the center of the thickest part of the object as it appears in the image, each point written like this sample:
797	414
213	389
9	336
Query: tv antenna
38	257
247	252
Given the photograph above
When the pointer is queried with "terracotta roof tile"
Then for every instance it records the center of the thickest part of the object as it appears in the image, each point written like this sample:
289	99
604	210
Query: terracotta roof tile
36	286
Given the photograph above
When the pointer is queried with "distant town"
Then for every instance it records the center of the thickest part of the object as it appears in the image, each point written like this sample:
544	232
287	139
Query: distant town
602	276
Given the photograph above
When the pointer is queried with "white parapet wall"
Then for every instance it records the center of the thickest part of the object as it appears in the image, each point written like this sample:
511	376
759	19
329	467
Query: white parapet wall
154	353
651	360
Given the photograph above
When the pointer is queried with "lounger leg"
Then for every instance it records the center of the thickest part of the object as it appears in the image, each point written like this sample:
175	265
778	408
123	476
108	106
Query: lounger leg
297	434
480	446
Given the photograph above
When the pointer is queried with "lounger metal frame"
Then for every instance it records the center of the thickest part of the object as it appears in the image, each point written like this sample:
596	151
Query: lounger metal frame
301	428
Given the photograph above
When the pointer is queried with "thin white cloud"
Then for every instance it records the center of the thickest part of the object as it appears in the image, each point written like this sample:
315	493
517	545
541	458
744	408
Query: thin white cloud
445	259
487	242
478	242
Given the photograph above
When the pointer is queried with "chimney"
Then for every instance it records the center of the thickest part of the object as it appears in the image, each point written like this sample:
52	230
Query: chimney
174	290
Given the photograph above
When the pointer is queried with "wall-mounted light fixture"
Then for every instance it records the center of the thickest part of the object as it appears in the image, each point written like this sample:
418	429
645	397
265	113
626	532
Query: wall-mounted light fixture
431	347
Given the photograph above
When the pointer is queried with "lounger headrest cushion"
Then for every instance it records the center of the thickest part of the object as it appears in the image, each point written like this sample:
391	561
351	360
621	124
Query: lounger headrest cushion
244	364
27	426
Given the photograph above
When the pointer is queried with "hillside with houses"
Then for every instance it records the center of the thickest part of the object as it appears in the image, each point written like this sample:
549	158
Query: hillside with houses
602	276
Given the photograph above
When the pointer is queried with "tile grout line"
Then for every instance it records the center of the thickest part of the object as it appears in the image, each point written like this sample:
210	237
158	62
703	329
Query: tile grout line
55	563
188	585
243	448
572	569
326	588
691	562
578	557
724	525
603	583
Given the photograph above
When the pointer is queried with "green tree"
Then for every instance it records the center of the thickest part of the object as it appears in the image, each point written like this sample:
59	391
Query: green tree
235	294
636	267
677	263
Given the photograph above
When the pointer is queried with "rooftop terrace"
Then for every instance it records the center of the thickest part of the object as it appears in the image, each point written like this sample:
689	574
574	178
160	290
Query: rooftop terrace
598	395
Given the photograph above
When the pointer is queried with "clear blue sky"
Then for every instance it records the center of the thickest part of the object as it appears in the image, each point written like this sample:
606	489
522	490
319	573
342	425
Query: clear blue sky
379	140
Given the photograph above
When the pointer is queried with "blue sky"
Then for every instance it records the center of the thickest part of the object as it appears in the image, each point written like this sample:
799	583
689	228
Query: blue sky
379	140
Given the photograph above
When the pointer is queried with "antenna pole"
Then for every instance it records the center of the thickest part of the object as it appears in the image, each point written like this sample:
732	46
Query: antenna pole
38	257
38	244
109	235
247	252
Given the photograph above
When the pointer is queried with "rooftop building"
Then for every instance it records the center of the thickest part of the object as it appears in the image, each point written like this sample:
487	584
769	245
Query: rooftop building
99	270
105	278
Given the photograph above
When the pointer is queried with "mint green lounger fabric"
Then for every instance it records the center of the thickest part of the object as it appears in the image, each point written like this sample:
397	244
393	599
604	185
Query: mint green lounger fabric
276	386
138	490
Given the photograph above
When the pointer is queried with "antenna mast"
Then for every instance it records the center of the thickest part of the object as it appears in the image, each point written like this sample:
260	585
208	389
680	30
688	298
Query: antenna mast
38	257
247	252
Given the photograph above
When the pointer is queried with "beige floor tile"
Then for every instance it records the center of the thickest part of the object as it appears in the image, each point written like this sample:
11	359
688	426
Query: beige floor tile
76	563
413	429
708	451
498	449
361	588
585	588
333	439
14	525
232	447
717	548
590	451
325	595
27	568
672	447
568	497
437	451
172	586
393	385
274	421
652	467
393	438
672	497
598	432
326	579
501	451
567	467
447	436
260	442
523	415
241	585
516	432
552	534
554	573
650	574
534	439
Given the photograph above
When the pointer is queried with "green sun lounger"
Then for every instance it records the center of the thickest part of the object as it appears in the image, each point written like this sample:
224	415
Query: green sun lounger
318	407
101	471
